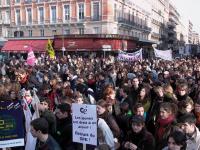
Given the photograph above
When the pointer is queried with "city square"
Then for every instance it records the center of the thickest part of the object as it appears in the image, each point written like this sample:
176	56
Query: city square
99	75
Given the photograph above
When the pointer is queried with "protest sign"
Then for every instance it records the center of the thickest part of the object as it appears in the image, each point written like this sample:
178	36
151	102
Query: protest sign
84	118
130	56
163	54
11	124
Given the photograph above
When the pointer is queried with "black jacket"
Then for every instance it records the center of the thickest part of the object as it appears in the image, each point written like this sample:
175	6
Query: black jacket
143	140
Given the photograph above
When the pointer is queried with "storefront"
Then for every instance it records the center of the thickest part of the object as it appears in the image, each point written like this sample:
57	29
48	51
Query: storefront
24	45
94	42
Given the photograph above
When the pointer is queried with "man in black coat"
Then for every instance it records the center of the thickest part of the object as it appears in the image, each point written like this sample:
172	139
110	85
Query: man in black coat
64	127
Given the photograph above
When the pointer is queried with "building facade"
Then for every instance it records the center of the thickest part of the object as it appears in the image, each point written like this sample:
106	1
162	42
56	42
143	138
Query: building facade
174	21
195	38
56	17
160	14
4	18
190	31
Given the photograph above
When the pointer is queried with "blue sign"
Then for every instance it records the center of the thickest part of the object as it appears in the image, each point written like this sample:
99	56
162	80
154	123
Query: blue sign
11	124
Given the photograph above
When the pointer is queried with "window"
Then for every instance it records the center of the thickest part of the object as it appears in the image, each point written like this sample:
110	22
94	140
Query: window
66	32
96	16
28	1
81	11
17	1
115	12
53	14
41	15
66	12
7	2
29	16
96	30
42	32
81	30
30	33
17	16
7	17
53	32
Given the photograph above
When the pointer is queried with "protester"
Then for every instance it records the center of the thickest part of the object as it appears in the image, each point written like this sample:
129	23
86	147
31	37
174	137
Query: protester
187	123
146	89
176	141
139	137
39	129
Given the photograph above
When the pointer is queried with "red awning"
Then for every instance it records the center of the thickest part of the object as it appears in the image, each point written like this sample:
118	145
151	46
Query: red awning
25	45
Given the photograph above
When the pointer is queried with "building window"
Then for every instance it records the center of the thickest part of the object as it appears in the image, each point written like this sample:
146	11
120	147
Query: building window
7	17
7	2
67	32
17	1
96	30
18	18
81	11
96	14
66	13
54	32
115	12
41	15
29	16
53	14
30	33
42	32
81	30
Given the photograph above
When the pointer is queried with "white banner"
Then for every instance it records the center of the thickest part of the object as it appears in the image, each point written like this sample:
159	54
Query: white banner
163	54
12	143
84	118
130	56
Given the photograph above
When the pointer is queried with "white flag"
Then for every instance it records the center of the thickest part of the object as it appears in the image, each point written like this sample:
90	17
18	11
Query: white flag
163	54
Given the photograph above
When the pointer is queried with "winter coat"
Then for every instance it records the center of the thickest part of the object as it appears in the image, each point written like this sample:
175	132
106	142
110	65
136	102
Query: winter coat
110	120
144	140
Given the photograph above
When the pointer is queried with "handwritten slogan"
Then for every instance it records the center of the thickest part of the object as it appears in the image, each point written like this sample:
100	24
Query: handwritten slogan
84	119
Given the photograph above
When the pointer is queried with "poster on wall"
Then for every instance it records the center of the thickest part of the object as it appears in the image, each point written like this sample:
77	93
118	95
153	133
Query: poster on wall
11	124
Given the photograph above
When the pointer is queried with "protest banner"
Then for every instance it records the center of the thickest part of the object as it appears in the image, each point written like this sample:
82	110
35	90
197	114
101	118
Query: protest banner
11	124
130	56
84	118
163	54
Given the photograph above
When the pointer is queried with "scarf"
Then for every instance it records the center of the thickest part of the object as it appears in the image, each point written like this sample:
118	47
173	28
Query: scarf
162	124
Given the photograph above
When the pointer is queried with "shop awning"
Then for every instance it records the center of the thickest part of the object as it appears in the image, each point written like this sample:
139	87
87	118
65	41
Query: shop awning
22	46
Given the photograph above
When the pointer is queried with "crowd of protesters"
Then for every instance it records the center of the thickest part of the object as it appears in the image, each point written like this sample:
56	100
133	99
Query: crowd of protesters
141	105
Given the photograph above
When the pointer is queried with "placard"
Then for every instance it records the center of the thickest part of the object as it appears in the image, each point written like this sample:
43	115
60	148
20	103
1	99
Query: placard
84	118
11	124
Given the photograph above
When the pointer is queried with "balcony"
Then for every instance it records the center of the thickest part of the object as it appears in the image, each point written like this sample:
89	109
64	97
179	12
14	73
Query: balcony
96	18
154	34
171	32
132	24
171	24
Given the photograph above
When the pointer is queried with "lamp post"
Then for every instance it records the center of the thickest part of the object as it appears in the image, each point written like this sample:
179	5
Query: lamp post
63	42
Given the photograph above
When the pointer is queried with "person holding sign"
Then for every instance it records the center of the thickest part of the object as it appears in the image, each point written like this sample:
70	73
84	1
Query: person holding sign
64	127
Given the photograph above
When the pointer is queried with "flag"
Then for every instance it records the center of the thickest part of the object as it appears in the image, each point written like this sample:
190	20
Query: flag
50	49
163	54
30	140
31	58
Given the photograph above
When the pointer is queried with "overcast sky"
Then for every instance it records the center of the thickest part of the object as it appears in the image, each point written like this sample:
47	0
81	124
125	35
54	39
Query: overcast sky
189	9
